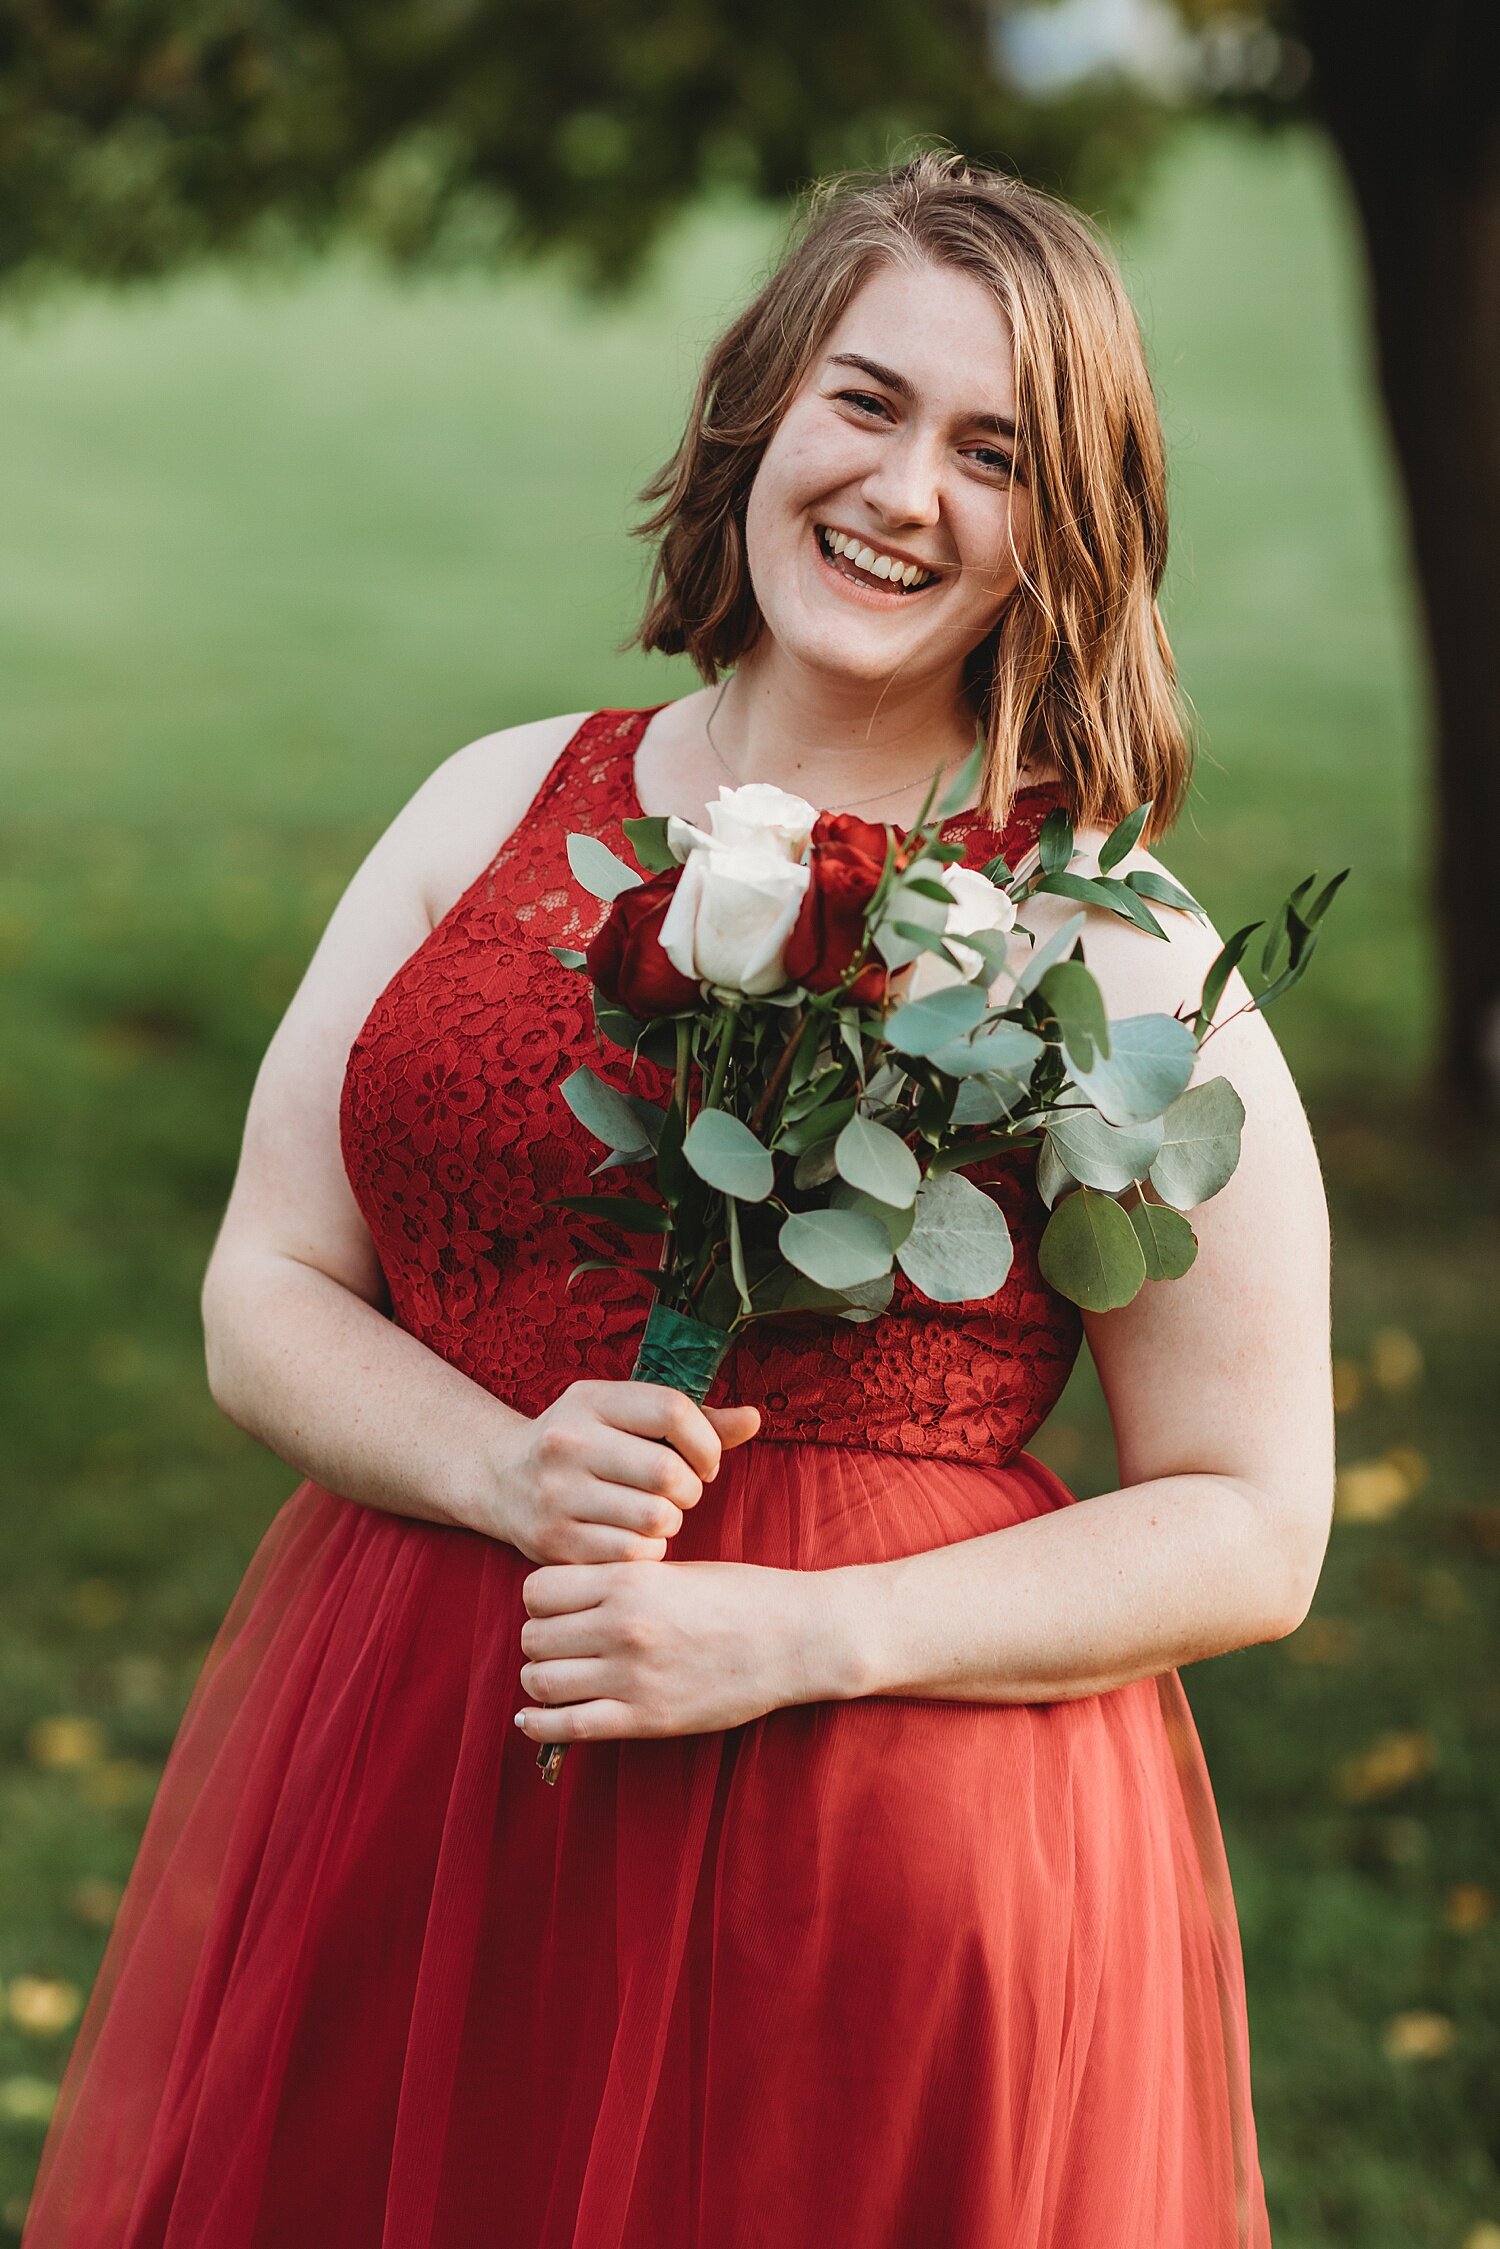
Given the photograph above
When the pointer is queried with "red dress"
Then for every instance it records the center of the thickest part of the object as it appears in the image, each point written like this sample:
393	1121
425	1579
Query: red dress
886	1974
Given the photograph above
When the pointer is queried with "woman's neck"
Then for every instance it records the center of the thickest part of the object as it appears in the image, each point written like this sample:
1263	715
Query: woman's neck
832	740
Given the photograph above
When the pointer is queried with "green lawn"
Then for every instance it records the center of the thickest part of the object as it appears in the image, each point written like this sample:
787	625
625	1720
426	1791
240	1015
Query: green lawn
272	550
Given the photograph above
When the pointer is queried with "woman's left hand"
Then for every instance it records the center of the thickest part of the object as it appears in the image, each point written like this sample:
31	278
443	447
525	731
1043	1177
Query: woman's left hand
617	1650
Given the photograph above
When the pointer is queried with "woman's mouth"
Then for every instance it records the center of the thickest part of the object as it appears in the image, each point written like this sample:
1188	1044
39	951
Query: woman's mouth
884	577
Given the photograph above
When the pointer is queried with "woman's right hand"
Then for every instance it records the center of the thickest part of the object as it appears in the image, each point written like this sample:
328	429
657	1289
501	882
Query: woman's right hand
608	1470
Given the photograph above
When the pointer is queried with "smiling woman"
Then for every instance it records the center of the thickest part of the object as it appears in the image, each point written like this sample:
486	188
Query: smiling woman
887	1902
946	395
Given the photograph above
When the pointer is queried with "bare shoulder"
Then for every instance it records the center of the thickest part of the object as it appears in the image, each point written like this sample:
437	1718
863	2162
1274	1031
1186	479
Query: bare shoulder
290	1193
453	825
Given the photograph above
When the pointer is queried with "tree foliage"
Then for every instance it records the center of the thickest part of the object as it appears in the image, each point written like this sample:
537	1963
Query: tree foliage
135	138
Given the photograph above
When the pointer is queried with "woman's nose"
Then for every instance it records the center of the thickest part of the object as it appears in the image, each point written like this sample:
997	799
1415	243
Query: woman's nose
905	485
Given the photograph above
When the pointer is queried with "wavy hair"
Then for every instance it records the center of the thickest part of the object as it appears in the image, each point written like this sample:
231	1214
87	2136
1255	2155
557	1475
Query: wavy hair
1078	671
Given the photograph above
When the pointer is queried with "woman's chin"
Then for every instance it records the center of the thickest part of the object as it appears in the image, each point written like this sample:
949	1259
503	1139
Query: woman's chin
855	651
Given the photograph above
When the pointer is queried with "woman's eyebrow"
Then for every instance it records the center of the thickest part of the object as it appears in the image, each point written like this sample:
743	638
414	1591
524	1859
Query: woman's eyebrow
1000	425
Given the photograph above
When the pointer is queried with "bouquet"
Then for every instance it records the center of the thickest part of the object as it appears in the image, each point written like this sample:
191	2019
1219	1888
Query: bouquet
852	1022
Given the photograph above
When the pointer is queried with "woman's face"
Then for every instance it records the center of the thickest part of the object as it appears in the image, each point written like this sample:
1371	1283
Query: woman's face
898	445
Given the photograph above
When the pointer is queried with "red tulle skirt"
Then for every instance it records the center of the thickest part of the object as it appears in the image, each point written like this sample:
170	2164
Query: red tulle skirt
889	1974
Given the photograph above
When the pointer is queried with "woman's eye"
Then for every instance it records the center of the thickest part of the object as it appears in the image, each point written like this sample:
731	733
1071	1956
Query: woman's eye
990	457
864	400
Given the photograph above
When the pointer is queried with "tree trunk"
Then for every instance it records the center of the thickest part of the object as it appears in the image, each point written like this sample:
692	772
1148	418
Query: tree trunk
1412	100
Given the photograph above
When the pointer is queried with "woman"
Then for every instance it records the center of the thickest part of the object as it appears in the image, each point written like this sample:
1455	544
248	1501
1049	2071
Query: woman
884	1901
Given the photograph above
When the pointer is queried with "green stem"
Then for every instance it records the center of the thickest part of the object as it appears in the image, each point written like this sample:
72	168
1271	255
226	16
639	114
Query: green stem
721	1059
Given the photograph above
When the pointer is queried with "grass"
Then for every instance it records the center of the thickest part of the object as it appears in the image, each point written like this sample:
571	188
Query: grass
270	551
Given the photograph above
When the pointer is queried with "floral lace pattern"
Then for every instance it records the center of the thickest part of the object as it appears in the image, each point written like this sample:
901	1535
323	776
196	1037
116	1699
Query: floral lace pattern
454	1133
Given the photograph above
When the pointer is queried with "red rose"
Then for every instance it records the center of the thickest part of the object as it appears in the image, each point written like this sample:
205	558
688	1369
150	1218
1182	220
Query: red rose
625	956
847	859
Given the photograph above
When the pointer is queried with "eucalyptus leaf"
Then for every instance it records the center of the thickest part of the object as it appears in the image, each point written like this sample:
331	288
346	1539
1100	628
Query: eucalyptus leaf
646	834
850	1034
960	788
925	941
805	1056
652	1115
907	906
1149	1063
1099	1154
993	947
886	1082
815	1166
1225	963
921	1025
896	1221
651	1273
1061	942
605	1112
1090	1252
569	955
1069	993
1112	897
1167	1241
1200	1144
1149	884
872	1157
865	1300
1278	939
737	1254
812	1091
1053	1177
1008	1048
980	1100
1325	898
959	1249
1055	843
601	871
635	1216
836	1248
822	1123
726	1153
1123	837
672	1176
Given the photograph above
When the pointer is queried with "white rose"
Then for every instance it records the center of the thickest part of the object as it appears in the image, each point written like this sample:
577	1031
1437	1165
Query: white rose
731	915
978	904
755	813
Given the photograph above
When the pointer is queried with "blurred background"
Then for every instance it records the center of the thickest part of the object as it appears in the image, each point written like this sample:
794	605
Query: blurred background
335	342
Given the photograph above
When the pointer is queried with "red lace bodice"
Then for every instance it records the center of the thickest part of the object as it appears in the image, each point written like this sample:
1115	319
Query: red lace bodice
454	1133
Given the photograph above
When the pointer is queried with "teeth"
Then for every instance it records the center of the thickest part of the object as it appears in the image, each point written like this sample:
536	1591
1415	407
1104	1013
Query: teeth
877	565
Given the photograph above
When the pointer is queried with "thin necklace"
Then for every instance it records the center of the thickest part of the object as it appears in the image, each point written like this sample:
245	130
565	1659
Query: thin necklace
849	803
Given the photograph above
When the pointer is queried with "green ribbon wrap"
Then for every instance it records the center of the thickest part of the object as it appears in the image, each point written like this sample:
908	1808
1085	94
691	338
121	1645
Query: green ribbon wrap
681	1354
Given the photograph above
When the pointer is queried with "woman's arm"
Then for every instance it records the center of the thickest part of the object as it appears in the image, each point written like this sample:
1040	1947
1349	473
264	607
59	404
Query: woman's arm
1219	1389
300	1353
299	1350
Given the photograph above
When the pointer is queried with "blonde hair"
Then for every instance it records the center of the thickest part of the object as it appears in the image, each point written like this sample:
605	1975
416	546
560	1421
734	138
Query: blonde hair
1078	672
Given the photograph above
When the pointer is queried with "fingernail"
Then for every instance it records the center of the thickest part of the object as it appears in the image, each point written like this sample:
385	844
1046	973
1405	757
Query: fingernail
521	1720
